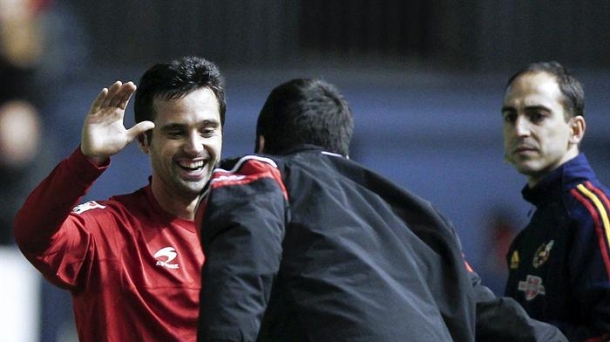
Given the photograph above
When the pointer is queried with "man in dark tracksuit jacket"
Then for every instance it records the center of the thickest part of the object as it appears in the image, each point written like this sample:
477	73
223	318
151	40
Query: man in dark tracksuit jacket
559	265
316	248
303	244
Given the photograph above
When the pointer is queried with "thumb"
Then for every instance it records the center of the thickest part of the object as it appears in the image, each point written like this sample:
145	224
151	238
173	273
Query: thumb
139	128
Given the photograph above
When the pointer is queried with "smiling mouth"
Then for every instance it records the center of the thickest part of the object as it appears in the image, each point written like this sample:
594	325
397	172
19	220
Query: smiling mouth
192	166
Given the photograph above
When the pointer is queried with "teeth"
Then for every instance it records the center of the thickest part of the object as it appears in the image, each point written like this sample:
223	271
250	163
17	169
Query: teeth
192	165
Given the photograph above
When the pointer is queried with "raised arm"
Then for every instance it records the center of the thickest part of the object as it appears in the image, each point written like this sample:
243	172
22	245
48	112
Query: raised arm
44	229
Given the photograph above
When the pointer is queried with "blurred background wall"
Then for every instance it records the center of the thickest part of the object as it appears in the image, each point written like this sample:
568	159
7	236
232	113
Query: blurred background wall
466	35
425	80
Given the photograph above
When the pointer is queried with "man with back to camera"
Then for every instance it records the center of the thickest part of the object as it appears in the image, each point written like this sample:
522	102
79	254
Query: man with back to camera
132	263
303	244
559	265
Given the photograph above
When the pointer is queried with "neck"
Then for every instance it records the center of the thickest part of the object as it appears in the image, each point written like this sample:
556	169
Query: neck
182	206
535	179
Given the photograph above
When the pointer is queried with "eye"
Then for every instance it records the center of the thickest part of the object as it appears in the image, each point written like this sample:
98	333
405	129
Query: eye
208	130
536	116
509	116
174	133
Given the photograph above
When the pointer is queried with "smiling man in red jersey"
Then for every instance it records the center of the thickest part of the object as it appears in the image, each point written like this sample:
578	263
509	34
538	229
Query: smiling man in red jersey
132	263
559	265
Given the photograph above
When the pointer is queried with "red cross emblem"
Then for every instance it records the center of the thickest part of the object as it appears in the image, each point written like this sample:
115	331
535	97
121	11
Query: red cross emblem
532	286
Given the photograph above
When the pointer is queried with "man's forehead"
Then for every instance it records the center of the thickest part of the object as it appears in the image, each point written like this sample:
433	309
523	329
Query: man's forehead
200	93
533	88
535	81
200	100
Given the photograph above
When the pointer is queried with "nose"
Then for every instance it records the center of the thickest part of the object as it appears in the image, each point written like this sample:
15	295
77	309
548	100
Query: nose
193	144
522	126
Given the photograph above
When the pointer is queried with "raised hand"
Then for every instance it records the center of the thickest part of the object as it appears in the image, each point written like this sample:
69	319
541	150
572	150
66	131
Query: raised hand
104	133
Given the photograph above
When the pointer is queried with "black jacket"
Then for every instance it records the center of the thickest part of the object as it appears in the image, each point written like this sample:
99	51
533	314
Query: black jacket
313	247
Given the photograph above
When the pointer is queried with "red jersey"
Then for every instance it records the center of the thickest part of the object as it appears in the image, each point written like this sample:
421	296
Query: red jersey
133	269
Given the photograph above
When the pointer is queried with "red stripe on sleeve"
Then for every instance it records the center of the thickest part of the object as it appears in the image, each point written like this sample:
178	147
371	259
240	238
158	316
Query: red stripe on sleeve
249	169
600	194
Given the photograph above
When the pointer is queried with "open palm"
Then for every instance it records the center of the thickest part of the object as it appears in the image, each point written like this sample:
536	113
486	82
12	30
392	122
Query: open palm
104	133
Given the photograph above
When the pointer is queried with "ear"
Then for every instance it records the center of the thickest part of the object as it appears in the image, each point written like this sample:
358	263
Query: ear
143	142
261	144
578	127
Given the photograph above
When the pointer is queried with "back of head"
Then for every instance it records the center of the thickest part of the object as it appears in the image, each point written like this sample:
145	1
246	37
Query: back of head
571	89
176	79
305	111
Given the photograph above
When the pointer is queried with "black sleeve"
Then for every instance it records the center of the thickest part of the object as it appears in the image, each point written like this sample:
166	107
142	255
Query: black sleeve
502	319
241	229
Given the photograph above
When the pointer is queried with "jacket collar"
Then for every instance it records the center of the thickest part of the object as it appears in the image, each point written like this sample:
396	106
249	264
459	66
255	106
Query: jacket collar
559	181
308	148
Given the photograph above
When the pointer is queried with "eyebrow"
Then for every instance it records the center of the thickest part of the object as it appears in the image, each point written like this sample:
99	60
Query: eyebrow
174	125
536	107
171	126
508	109
539	107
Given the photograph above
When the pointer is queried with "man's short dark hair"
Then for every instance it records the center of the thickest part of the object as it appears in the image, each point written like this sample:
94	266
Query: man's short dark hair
571	89
305	111
176	79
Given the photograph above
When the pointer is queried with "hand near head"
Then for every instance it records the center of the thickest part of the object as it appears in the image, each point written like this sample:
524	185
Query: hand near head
104	133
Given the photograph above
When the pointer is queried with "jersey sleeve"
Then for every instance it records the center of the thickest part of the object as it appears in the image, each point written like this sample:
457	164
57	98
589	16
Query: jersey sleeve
242	221
48	236
589	263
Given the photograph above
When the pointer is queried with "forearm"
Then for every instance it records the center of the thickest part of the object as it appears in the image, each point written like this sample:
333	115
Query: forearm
50	203
503	319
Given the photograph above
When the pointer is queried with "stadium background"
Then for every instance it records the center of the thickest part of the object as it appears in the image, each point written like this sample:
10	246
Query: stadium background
425	81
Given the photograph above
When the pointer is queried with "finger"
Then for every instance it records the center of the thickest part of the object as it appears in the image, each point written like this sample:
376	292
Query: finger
110	100
96	105
122	96
115	101
139	128
128	90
